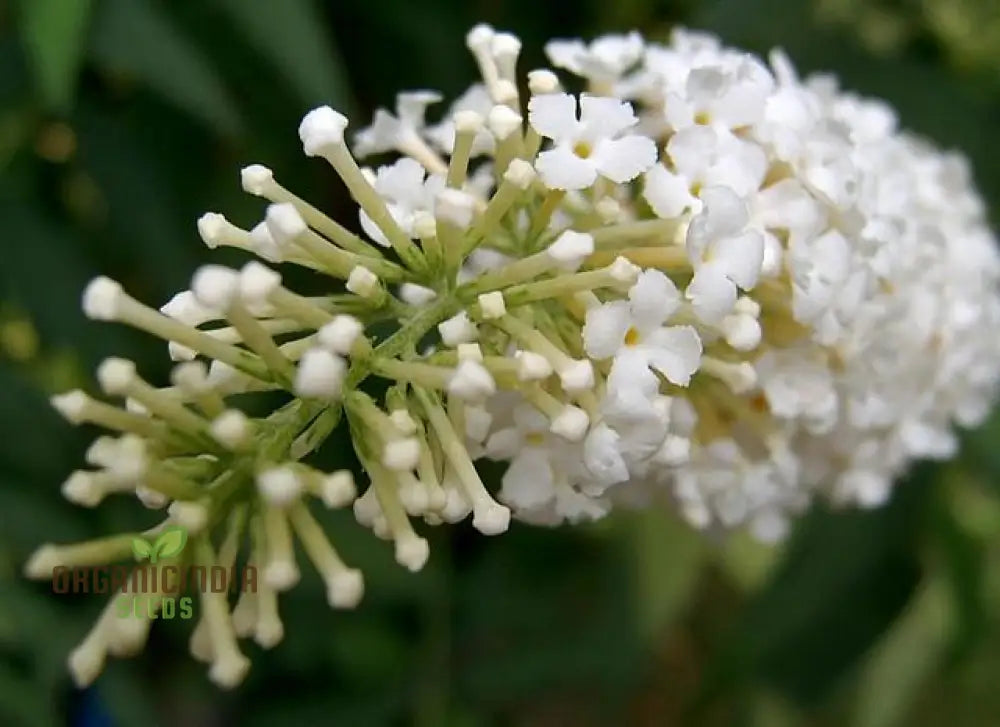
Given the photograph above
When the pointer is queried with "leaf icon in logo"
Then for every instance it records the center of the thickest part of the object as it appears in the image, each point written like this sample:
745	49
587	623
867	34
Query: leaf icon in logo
141	549
170	542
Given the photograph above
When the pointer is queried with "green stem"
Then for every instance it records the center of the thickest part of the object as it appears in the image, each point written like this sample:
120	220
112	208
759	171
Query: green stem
405	338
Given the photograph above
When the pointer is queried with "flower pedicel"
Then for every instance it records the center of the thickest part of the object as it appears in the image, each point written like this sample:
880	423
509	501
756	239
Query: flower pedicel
703	284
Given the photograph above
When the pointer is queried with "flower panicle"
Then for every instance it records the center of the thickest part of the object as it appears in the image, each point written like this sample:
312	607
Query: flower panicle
702	284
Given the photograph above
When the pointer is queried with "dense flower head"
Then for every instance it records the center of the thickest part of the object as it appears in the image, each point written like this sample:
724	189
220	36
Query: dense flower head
702	284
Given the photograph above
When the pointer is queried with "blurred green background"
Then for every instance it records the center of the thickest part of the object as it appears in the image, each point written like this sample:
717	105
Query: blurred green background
122	120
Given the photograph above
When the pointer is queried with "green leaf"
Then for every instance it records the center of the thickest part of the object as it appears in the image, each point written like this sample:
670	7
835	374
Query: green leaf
141	549
126	693
904	659
844	579
53	32
34	443
290	34
747	561
45	277
961	556
170	542
668	555
23	701
133	37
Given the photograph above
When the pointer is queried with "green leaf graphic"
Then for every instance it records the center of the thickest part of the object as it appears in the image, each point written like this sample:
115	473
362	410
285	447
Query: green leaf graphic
170	543
141	549
54	33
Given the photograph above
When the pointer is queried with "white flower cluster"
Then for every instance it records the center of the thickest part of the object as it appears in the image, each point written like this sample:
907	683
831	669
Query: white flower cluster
703	284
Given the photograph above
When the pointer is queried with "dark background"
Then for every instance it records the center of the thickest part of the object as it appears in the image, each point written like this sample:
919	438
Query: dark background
122	120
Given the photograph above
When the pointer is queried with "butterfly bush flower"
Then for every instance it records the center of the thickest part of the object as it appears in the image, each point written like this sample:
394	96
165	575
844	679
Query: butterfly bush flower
701	284
595	145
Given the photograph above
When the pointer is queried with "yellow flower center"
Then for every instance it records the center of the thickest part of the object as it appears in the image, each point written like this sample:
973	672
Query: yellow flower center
535	439
582	149
702	118
632	336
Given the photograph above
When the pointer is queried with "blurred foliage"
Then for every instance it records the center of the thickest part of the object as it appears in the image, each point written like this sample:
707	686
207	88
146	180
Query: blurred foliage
122	120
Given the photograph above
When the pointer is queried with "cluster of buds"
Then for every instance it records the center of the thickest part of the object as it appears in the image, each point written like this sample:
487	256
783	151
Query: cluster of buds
701	284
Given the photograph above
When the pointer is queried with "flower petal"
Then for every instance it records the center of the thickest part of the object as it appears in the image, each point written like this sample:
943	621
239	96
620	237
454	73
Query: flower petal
411	106
675	352
553	115
576	507
371	229
654	298
381	136
605	328
401	182
527	483
723	214
667	193
622	160
603	117
560	168
602	457
632	387
741	257
692	150
504	444
529	419
566	54
711	293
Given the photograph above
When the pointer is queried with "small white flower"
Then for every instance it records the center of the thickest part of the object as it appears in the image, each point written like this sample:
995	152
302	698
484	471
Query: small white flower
540	465
184	307
503	121
231	429
725	254
727	97
263	244
603	458
455	207
216	287
338	489
280	486
321	130
257	282
471	382
603	61
457	329
635	328
362	281
798	385
867	488
532	366
703	157
102	299
340	334
492	305
401	454
407	191
414	294
476	99
595	144
571	423
820	267
390	132
570	249
320	374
